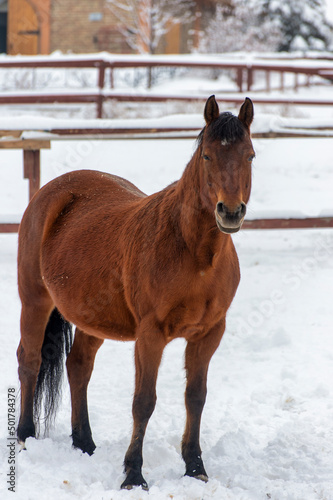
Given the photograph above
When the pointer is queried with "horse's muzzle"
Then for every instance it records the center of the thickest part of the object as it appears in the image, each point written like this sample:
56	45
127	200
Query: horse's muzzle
229	221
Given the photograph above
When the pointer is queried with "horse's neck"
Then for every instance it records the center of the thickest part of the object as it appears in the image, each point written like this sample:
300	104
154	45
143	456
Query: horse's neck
198	226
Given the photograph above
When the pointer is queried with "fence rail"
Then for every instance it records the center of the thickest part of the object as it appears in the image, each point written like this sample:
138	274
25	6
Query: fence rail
100	97
243	69
292	223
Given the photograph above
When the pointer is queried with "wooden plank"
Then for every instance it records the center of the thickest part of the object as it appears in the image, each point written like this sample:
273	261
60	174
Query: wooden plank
26	62
126	131
11	133
34	98
234	99
26	144
292	223
97	97
308	223
9	227
301	134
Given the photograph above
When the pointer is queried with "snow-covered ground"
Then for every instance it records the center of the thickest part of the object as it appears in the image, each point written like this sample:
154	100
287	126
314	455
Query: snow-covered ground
267	429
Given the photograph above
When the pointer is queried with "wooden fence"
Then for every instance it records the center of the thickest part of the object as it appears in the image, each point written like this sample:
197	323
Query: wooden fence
243	69
106	65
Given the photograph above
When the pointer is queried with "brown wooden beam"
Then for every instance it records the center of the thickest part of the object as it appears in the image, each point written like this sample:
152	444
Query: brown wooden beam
25	144
48	98
99	97
308	223
9	227
31	167
292	223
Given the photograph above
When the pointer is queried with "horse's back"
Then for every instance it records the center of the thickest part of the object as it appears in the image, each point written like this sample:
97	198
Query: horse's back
84	190
64	208
92	186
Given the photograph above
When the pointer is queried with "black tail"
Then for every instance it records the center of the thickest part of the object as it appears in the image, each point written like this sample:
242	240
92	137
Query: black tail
57	343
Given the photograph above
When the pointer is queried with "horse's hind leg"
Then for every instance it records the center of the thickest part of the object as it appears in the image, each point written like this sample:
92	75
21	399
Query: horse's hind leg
34	319
80	364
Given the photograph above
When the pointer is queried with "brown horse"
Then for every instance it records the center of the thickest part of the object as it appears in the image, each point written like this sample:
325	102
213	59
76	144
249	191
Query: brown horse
97	252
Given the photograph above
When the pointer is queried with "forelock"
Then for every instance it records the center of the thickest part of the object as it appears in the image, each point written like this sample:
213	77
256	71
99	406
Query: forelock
227	129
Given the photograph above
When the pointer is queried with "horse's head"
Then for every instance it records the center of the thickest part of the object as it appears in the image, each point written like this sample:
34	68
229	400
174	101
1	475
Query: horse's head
226	155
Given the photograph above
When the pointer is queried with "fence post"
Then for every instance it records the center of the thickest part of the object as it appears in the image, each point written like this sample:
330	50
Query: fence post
31	169
282	81
268	80
111	77
100	97
240	79
149	77
249	78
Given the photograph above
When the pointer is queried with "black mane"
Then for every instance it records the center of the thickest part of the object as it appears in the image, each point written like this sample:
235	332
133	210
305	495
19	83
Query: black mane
227	129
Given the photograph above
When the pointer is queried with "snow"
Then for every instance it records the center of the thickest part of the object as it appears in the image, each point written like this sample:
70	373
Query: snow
264	123
267	427
329	10
41	126
42	123
179	59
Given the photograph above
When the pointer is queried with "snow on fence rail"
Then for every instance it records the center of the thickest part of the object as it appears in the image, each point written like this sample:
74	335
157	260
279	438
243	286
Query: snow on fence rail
170	126
244	68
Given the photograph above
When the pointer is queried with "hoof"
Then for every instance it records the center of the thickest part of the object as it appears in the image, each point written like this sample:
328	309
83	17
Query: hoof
86	445
202	477
21	445
24	431
134	479
197	470
90	450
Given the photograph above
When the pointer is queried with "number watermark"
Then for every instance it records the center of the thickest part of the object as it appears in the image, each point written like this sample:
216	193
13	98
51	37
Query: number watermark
11	440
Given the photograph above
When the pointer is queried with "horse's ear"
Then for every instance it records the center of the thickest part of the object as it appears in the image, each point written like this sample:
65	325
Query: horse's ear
246	112
211	112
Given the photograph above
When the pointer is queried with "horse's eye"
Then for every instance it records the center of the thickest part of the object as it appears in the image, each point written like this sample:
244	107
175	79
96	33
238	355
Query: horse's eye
205	157
251	158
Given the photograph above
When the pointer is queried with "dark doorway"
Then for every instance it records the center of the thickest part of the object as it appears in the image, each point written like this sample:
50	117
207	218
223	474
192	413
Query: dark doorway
3	32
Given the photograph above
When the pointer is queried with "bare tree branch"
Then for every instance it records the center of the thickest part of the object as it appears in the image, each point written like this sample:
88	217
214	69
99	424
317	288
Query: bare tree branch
144	23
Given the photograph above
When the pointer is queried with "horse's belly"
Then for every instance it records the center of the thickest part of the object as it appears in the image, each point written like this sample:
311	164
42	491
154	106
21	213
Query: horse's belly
106	321
103	320
94	303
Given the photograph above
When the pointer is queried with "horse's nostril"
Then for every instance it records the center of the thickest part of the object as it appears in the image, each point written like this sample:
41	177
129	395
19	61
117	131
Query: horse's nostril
220	208
242	209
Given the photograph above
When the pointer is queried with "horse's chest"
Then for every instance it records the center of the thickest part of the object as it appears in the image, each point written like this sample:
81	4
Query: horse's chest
191	319
192	311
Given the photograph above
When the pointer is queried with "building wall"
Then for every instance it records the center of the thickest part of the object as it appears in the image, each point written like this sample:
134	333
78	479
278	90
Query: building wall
85	26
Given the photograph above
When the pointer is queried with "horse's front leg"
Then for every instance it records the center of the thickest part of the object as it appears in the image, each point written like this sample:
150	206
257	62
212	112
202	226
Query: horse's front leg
197	357
148	353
